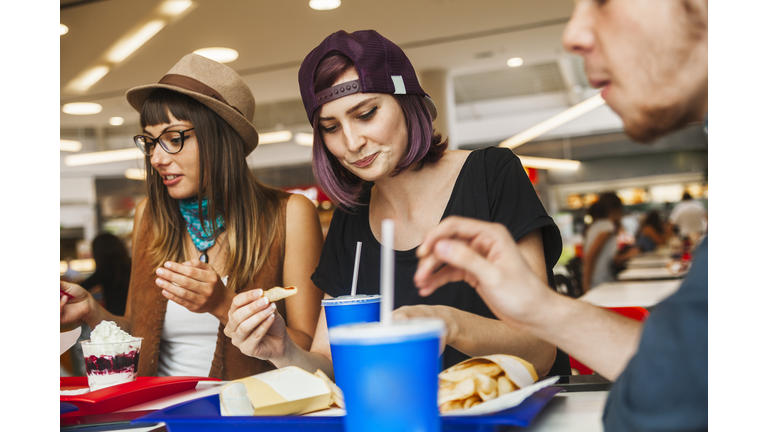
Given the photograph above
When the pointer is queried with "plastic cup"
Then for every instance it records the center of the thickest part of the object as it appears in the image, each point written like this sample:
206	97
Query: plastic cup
388	374
109	364
352	309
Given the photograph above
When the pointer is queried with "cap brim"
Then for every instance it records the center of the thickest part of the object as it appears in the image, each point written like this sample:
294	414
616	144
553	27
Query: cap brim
138	95
431	107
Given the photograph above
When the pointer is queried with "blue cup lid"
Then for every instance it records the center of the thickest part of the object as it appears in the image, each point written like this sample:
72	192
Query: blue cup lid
348	300
378	334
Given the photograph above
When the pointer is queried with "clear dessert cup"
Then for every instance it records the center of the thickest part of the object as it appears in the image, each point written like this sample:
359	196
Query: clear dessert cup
111	363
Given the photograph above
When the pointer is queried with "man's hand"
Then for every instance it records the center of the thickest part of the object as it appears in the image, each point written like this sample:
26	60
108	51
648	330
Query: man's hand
443	313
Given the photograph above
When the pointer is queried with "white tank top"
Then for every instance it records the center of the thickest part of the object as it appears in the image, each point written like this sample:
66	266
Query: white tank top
187	342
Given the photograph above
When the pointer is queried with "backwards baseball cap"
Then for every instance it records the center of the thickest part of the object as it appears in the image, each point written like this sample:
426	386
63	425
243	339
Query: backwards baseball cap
381	65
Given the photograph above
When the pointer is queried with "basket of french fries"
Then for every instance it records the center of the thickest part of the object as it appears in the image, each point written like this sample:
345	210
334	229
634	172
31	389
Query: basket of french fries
487	384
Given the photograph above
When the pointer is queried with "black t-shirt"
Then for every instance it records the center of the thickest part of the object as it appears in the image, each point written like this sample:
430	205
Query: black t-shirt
492	186
665	386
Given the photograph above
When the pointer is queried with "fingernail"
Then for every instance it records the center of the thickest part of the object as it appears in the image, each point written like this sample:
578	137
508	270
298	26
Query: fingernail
187	263
272	306
443	248
160	272
262	302
159	281
165	293
258	293
167	265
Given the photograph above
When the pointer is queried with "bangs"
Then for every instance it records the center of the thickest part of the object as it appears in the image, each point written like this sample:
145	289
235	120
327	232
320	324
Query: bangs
161	102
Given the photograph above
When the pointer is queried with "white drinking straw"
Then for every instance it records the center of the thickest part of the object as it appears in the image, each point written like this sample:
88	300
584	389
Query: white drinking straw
387	270
357	265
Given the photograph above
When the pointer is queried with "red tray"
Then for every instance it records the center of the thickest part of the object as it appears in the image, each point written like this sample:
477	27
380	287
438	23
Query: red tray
115	398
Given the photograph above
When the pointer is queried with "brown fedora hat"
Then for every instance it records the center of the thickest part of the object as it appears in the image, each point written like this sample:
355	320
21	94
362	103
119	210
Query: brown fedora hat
214	85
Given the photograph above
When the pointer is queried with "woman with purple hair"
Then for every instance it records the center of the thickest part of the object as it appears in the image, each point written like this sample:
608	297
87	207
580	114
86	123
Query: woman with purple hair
377	156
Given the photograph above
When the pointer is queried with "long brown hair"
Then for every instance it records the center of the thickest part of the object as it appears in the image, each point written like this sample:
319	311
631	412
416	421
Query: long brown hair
249	208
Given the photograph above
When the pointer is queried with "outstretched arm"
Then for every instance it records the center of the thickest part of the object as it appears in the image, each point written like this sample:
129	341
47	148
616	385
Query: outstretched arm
259	331
303	244
485	256
475	335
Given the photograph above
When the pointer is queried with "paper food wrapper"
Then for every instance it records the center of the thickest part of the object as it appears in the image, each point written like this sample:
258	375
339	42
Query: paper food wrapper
516	371
287	391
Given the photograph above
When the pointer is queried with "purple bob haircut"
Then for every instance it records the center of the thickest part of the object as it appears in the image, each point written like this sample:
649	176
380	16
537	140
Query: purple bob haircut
424	144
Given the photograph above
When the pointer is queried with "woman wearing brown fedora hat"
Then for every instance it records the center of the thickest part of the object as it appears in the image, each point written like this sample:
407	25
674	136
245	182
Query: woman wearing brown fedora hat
207	230
376	154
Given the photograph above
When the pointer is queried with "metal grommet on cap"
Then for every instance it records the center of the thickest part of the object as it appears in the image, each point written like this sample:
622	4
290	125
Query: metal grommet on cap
338	91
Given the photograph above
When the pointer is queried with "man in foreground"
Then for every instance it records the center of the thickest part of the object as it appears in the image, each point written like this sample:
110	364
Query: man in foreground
650	58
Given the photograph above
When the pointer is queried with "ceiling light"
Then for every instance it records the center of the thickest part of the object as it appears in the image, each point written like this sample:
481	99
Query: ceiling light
116	121
275	137
175	7
81	108
548	163
515	62
220	54
553	122
88	78
324	4
63	29
70	146
103	157
135	174
126	46
304	139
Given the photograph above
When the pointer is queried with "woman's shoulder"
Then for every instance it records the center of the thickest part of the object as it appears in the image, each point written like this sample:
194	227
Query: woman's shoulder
297	204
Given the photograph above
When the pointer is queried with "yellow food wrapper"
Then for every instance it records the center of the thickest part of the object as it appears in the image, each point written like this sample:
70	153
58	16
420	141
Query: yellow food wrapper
287	391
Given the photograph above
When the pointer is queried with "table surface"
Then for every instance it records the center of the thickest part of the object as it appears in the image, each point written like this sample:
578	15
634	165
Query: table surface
566	412
652	273
570	412
636	293
647	261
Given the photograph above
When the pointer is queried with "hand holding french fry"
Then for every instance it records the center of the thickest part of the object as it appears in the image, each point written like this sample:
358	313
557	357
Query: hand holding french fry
255	326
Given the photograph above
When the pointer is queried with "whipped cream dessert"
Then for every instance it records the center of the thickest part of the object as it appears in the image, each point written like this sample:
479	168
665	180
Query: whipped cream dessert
111	356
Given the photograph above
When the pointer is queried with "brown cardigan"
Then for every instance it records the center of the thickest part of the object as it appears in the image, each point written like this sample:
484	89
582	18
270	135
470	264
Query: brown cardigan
148	305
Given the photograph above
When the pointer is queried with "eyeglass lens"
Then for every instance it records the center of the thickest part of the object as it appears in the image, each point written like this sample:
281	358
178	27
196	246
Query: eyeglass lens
171	141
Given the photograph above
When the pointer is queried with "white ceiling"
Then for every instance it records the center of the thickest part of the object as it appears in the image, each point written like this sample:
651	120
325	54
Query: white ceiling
273	37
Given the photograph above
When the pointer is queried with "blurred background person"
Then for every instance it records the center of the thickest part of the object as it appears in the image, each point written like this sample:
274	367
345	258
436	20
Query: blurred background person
653	232
689	216
601	253
110	280
113	272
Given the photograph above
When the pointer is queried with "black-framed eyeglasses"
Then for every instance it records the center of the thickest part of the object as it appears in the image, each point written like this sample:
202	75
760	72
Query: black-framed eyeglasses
171	141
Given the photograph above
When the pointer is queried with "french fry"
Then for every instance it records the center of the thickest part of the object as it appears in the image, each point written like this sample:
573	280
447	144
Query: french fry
279	293
486	387
451	406
458	391
504	385
487	369
471	401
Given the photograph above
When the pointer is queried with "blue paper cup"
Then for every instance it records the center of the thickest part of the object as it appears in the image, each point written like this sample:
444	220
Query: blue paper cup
388	374
351	309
